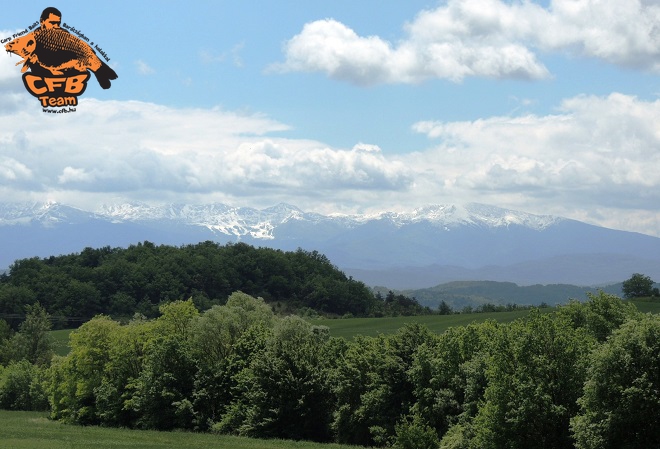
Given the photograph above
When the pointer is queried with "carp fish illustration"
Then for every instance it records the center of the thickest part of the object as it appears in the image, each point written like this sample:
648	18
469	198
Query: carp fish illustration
58	51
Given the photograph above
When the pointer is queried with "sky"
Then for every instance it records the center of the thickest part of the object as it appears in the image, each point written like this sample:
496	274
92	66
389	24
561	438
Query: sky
344	106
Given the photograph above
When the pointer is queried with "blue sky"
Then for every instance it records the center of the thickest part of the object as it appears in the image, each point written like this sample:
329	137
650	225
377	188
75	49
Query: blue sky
352	107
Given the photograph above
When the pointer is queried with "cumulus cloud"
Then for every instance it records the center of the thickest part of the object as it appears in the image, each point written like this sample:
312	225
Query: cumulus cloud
484	38
596	152
135	149
11	170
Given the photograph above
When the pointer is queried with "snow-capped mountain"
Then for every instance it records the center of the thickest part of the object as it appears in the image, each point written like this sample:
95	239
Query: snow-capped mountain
47	214
217	218
240	221
422	248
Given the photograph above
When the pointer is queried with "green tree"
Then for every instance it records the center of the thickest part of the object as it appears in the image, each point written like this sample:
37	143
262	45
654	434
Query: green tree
225	341
177	318
32	342
373	386
637	286
126	357
6	351
222	390
600	315
449	376
535	376
621	401
288	393
5	331
13	300
355	377
73	380
163	391
415	434
162	396
444	308
21	387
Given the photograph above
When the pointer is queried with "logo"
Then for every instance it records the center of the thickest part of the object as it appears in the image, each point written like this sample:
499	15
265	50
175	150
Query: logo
57	60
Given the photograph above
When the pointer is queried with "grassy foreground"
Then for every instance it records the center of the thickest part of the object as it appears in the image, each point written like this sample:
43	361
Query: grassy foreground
33	430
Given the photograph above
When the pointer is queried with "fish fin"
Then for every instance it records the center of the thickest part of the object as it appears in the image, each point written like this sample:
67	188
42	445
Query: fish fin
104	74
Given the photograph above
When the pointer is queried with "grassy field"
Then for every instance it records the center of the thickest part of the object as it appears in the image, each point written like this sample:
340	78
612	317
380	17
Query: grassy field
61	340
350	327
33	430
651	305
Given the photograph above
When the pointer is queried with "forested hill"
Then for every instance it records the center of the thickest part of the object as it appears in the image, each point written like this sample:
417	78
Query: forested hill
123	281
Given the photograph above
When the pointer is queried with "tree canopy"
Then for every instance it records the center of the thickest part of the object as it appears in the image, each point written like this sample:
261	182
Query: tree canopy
637	286
122	281
585	375
621	391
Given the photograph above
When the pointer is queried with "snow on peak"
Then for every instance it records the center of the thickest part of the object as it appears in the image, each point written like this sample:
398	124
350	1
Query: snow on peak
49	213
262	223
471	214
219	218
477	214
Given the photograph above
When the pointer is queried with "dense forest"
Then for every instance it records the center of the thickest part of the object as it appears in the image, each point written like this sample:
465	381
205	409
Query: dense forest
123	281
586	375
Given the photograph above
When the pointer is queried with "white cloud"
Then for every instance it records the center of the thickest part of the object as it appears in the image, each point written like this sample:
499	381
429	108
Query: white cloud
143	68
596	153
13	171
135	149
72	175
211	57
331	47
625	32
483	38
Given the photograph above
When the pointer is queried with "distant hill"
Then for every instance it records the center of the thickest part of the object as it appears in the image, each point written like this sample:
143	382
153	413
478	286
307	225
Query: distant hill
423	248
589	270
475	293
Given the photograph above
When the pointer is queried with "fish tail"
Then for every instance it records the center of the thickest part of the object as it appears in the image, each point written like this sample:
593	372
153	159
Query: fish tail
104	74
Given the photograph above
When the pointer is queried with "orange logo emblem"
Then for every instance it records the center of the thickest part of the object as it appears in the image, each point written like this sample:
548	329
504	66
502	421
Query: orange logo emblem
58	62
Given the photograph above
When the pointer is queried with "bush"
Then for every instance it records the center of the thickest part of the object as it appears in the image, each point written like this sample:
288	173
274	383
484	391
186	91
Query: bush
21	387
415	435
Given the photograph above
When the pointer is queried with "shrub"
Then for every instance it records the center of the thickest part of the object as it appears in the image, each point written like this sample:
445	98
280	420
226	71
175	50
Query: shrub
415	435
21	387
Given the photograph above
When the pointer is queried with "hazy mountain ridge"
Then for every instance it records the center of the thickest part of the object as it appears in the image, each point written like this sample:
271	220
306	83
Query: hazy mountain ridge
422	248
459	294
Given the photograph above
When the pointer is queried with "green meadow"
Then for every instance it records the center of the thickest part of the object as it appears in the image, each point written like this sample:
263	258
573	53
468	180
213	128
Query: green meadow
61	341
647	305
350	327
33	430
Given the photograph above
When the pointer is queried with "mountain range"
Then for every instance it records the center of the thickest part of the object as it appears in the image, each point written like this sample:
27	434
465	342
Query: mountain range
423	248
